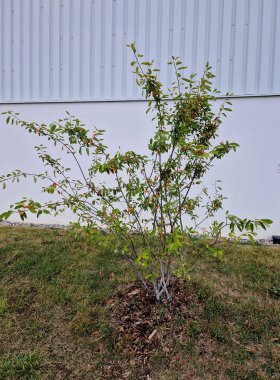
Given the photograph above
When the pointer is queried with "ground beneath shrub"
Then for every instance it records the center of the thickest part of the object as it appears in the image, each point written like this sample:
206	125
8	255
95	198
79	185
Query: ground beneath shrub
147	331
142	325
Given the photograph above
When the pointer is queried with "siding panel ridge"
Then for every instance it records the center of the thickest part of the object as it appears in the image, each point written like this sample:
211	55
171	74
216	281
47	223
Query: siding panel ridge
71	41
2	63
102	52
170	41
22	46
92	50
272	46
232	45
136	36
60	50
12	48
31	21
219	44
51	46
82	53
245	47
194	39
124	49
259	46
207	31
113	59
148	30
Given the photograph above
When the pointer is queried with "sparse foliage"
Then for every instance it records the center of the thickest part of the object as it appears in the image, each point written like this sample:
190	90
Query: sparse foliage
157	206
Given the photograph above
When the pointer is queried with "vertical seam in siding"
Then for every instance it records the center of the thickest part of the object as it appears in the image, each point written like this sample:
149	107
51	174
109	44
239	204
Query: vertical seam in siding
91	73
51	39
259	46
124	49
183	35
272	46
136	21
245	47
136	33
220	41
12	46
194	40
232	45
158	38
82	58
147	30
113	64
3	82
207	31
170	40
159	24
40	49
103	4
21	49
31	50
61	49
183	30
71	11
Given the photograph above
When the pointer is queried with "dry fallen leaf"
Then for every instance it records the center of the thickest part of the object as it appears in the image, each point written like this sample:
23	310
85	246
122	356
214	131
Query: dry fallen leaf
152	334
133	293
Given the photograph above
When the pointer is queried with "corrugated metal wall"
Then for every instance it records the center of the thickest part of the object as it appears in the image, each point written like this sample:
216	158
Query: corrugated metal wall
75	50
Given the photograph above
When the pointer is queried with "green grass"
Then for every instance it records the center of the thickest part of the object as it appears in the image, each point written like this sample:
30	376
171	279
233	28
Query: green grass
55	293
21	367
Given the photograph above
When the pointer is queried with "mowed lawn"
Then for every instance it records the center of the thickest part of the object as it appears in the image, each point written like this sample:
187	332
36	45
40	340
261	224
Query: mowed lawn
57	294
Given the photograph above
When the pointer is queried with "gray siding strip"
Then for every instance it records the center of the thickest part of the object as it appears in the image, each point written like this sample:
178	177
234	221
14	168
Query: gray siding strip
245	47
51	39
259	46
2	38
272	46
92	51
82	41
135	38
170	41
232	45
61	50
219	45
207	30
12	48
194	41
124	49
102	52
113	51
22	45
41	49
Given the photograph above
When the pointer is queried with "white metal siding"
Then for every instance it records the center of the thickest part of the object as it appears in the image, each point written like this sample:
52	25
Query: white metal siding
75	50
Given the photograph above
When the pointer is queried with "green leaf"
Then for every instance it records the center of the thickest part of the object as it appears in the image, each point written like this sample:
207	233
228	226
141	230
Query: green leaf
267	221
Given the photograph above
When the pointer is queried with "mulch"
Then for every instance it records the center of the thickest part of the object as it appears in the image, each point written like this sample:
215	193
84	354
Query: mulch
142	326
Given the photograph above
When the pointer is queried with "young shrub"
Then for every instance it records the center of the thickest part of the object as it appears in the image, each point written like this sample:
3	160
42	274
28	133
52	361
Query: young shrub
152	210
